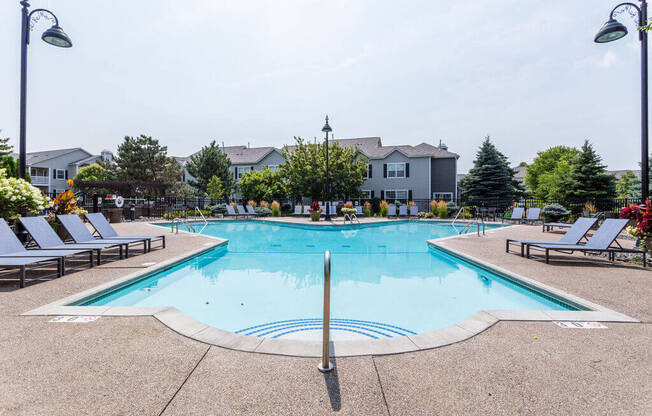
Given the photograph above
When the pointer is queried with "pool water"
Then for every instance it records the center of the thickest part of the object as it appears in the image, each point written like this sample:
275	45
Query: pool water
386	281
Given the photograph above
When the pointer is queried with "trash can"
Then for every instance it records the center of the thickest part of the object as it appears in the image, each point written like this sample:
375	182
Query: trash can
115	215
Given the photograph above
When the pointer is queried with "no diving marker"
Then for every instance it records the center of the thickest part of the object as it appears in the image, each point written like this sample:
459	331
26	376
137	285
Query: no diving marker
581	325
75	319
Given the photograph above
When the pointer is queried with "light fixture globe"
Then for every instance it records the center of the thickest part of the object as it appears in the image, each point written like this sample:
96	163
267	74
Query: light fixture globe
612	30
57	37
327	127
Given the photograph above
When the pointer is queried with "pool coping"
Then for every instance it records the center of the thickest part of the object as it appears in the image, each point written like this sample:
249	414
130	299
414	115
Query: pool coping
187	326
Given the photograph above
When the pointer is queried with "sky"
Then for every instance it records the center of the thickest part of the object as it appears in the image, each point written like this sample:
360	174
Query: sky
525	72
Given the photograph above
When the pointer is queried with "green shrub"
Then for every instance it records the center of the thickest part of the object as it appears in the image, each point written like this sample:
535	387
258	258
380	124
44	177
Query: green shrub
384	208
555	212
375	205
263	211
276	209
442	212
218	209
452	208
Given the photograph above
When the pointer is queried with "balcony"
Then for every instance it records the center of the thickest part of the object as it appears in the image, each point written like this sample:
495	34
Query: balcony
40	180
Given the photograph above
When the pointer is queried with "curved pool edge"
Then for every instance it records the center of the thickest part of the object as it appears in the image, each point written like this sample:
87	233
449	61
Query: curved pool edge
187	326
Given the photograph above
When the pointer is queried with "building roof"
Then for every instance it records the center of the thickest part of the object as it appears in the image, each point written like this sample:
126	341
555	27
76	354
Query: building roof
38	157
619	173
238	155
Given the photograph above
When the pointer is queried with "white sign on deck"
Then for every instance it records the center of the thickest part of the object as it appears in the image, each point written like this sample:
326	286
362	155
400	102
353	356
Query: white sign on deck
581	325
76	319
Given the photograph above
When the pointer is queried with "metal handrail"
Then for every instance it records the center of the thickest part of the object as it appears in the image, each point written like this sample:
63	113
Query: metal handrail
325	365
351	218
461	210
202	215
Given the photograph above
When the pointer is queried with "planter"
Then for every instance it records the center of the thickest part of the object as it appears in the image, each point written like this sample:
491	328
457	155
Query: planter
314	215
115	215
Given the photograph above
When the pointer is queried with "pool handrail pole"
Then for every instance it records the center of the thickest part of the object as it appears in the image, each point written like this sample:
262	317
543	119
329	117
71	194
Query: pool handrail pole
325	365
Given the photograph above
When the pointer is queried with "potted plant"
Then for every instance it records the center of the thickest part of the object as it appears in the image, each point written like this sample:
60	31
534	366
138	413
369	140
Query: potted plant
642	224
315	211
64	203
348	209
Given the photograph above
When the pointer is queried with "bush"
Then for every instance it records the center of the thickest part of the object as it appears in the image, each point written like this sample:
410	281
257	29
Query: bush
452	208
442	211
422	214
217	209
263	211
384	208
252	203
555	212
375	205
276	208
367	209
264	204
286	208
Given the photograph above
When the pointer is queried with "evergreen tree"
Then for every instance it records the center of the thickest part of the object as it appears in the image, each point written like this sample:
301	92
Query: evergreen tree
208	162
5	147
589	177
144	159
491	176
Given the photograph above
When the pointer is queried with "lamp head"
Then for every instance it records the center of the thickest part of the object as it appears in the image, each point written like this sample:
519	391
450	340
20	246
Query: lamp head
327	127
612	30
57	37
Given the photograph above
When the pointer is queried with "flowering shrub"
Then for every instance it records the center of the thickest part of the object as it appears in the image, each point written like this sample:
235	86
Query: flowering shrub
19	196
315	211
66	203
642	220
314	206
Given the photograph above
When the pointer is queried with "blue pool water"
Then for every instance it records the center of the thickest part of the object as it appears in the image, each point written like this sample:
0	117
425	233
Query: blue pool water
386	281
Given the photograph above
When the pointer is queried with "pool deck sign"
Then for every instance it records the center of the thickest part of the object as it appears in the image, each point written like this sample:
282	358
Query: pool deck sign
581	325
83	319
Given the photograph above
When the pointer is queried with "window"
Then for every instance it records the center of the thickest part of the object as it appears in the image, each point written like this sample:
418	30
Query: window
366	194
38	171
396	194
396	170
367	173
273	168
242	169
59	174
442	196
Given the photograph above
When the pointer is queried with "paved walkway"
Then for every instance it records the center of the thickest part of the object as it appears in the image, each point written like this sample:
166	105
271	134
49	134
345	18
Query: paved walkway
136	365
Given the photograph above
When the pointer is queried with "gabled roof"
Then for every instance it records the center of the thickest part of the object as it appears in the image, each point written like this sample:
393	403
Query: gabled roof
38	157
373	149
238	155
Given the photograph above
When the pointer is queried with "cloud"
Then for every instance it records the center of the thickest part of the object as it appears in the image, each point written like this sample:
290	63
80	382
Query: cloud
606	60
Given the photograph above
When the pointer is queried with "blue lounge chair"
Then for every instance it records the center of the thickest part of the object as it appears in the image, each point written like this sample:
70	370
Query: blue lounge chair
332	210
414	211
297	210
251	211
45	237
600	242
402	211
574	235
391	210
358	210
23	264
533	215
81	235
104	229
230	211
241	211
517	215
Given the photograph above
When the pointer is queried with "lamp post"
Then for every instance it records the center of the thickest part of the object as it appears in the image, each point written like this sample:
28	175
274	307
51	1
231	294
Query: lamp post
614	30
327	129
54	36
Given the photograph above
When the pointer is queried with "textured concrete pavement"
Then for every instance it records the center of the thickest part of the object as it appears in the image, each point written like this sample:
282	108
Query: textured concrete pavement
136	365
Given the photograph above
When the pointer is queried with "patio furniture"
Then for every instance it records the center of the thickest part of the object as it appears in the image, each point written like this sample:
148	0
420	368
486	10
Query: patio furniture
106	231
45	237
414	211
600	242
81	235
550	226
402	211
251	211
574	235
517	215
297	210
306	210
533	215
23	263
241	211
358	210
332	210
230	211
391	211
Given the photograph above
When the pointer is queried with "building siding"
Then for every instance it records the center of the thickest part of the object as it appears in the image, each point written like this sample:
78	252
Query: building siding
444	176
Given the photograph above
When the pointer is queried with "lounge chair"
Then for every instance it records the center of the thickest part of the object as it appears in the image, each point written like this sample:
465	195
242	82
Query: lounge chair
573	236
241	211
549	226
600	242
358	210
297	210
45	237
391	211
81	235
23	262
306	210
230	211
251	211
414	211
402	211
517	215
332	210
533	215
104	229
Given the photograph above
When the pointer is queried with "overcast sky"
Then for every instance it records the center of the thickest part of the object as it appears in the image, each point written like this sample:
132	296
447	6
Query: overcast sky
527	72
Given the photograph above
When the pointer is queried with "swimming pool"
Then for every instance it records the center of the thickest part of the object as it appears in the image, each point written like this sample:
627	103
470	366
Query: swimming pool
386	282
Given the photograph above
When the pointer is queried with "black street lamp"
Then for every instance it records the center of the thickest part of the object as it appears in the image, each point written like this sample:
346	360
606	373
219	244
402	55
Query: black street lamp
54	36
327	129
613	30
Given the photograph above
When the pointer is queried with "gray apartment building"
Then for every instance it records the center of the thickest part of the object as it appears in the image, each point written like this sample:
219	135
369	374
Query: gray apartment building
401	172
51	169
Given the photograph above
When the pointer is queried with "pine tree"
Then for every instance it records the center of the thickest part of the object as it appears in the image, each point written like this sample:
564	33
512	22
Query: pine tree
589	177
144	159
491	176
209	162
5	147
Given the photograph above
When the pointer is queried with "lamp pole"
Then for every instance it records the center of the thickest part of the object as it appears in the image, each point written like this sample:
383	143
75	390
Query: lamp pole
613	30
327	129
54	36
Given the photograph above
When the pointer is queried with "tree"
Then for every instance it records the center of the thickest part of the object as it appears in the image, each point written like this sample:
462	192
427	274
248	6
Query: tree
12	167
543	166
304	170
214	189
491	176
555	184
262	185
144	159
628	186
208	162
5	147
91	173
589	177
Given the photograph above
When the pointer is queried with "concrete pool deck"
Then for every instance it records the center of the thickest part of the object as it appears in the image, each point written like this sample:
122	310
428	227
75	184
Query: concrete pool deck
136	365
